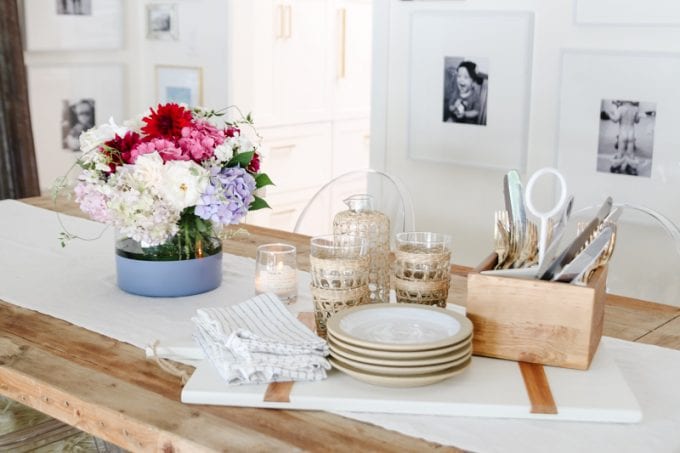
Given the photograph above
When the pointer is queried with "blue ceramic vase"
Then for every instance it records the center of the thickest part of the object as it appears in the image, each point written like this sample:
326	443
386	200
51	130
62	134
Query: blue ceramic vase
145	274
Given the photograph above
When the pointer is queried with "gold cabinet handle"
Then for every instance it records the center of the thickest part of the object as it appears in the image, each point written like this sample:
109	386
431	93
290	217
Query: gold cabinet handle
289	21
342	52
280	26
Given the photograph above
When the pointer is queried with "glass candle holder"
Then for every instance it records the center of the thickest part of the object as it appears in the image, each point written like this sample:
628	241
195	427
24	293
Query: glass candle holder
276	271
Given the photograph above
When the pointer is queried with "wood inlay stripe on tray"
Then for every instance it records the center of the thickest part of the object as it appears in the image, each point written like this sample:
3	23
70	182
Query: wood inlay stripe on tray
538	388
279	392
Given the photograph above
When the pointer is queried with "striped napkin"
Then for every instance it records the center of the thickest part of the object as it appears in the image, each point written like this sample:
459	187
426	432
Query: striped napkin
260	341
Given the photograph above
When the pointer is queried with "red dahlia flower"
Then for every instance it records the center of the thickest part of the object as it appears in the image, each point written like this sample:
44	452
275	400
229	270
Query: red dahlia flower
167	121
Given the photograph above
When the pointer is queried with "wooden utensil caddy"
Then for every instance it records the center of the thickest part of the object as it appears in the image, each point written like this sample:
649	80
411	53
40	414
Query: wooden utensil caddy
536	321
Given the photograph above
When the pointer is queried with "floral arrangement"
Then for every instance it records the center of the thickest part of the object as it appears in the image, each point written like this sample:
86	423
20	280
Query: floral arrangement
169	180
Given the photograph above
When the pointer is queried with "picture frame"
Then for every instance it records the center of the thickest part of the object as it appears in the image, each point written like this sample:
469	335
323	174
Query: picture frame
65	100
601	151
501	100
180	84
627	12
162	21
55	25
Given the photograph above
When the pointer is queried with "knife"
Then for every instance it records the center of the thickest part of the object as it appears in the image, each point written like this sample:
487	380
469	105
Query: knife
549	269
558	231
587	258
514	201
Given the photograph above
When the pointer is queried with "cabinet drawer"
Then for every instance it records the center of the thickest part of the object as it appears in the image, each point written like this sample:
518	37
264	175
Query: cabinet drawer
297	157
285	209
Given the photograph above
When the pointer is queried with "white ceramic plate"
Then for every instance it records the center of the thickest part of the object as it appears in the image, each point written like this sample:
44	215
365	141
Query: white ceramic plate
399	327
402	358
400	381
399	370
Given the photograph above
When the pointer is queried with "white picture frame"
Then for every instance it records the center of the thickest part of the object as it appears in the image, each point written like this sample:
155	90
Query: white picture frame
590	77
50	88
54	25
436	35
162	21
179	84
627	12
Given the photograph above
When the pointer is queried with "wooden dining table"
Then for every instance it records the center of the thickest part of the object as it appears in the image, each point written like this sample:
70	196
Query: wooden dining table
108	388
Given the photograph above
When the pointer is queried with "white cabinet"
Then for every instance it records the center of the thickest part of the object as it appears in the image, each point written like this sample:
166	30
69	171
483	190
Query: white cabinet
297	157
302	67
351	142
352	44
280	58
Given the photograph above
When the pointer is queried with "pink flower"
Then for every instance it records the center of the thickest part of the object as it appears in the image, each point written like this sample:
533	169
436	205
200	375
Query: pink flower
199	140
167	150
92	202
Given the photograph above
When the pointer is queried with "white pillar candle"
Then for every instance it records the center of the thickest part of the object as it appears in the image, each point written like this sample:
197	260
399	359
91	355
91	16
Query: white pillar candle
280	279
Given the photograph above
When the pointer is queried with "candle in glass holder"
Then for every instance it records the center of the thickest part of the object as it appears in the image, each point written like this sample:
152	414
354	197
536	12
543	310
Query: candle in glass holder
276	271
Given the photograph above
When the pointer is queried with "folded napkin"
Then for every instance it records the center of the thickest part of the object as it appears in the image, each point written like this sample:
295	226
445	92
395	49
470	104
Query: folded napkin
259	341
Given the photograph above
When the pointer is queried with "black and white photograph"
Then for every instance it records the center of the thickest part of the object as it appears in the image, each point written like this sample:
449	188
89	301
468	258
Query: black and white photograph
74	7
626	138
162	21
466	85
77	117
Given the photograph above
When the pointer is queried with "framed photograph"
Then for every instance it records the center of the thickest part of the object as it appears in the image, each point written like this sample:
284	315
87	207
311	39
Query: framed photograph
627	12
180	84
73	24
66	100
469	98
618	132
162	21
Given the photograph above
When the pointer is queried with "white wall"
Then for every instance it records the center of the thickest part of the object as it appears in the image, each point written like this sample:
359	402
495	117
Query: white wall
461	200
203	42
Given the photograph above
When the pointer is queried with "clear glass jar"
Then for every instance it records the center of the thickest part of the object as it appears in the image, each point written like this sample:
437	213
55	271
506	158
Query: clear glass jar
362	220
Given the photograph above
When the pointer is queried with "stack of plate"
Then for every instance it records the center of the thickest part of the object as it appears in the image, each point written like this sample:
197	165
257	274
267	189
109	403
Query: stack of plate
400	345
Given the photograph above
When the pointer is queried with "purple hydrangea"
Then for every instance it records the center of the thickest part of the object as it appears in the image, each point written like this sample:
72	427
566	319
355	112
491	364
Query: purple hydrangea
227	197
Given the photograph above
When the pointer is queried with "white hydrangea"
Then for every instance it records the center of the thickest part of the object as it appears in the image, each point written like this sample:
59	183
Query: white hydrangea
140	213
224	152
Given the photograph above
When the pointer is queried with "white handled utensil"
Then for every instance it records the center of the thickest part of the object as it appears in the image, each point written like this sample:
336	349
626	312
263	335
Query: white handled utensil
545	216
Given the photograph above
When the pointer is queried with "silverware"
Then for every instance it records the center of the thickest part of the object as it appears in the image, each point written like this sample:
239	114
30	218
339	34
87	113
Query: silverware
550	269
586	259
501	237
514	201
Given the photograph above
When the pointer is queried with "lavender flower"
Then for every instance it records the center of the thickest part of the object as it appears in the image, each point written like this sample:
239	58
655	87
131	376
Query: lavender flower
228	195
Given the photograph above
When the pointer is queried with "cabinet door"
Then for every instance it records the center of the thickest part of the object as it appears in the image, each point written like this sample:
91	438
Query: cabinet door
254	78
352	62
304	63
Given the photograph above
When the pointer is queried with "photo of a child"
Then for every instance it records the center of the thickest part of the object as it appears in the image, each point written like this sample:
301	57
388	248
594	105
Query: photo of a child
626	141
465	90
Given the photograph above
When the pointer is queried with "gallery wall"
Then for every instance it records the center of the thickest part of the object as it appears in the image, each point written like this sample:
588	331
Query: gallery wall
562	70
109	56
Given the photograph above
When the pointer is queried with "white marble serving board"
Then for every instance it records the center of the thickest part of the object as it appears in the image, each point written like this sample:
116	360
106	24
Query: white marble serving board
488	388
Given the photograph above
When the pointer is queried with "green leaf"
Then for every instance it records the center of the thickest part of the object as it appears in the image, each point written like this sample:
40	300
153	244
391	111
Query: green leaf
262	180
258	203
242	159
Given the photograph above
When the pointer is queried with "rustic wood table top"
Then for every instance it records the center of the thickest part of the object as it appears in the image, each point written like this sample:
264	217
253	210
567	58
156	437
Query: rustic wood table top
109	389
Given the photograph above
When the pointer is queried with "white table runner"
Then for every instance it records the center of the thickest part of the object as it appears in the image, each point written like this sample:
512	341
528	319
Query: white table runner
77	284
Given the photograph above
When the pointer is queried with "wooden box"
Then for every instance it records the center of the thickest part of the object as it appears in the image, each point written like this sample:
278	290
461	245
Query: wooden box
536	321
